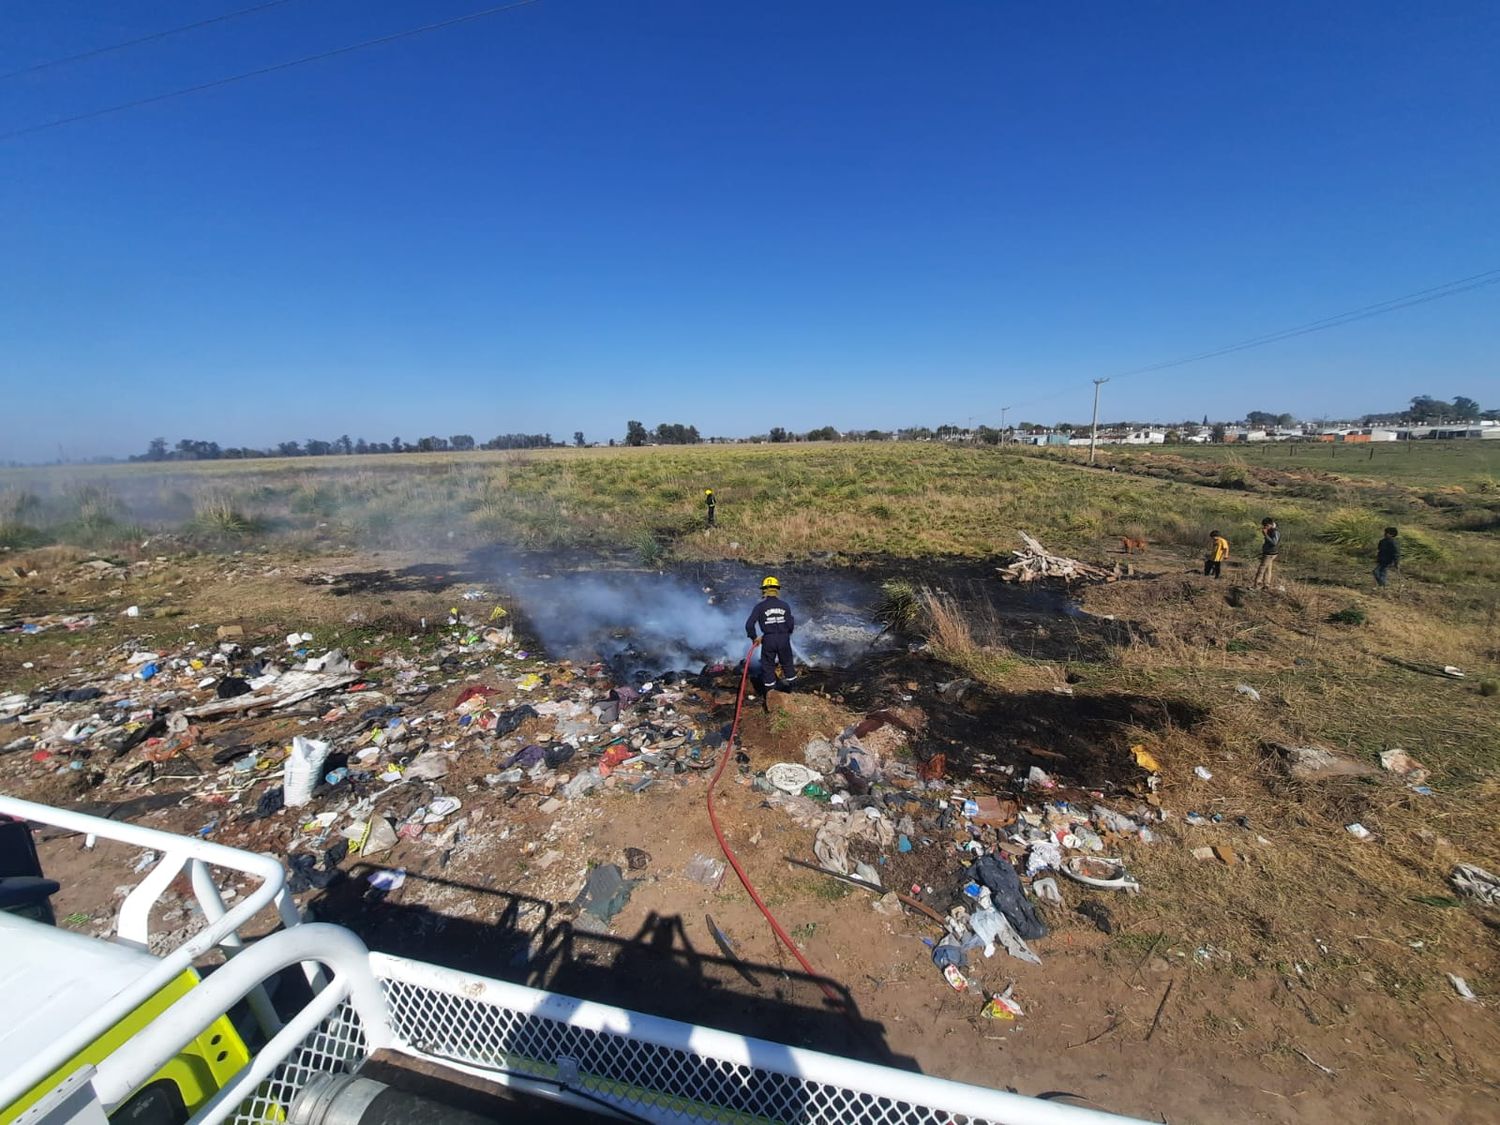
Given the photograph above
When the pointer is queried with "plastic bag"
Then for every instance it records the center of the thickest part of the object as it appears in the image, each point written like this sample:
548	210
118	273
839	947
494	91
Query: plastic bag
704	869
1005	887
990	926
304	769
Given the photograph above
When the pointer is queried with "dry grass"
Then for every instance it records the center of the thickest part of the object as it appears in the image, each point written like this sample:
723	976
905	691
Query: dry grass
1308	893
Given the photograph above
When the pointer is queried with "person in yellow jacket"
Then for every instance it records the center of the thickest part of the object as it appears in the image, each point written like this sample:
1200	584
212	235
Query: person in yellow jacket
1218	551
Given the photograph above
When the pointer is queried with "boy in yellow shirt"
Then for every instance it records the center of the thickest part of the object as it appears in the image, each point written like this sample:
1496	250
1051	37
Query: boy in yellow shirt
1218	551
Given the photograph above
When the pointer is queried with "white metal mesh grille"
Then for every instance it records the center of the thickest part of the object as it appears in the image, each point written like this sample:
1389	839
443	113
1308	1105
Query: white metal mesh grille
336	1047
661	1083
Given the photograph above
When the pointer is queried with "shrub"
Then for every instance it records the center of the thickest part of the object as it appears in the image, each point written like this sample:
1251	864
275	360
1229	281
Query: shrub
1351	528
898	605
1349	615
216	517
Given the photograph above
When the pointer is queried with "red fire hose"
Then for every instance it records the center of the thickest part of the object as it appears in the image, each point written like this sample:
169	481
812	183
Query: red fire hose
724	756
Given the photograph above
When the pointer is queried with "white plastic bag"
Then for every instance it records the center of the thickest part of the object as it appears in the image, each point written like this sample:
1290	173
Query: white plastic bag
304	766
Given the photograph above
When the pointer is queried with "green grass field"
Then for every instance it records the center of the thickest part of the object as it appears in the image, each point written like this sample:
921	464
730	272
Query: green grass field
1431	464
795	501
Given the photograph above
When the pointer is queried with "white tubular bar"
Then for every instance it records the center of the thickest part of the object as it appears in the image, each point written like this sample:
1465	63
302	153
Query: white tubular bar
134	1063
176	850
213	909
759	1054
133	923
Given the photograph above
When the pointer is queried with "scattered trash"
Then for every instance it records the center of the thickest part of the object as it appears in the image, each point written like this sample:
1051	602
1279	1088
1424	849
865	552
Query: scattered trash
144	861
1144	759
1317	763
704	869
1047	890
605	893
637	858
956	980
388	880
1461	987
1358	831
430	765
1096	871
990	927
378	836
721	939
1398	761
304	767
1002	1007
948	952
1476	882
1248	692
790	777
1202	773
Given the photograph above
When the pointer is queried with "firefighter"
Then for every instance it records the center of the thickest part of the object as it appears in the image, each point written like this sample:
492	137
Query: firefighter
774	619
711	504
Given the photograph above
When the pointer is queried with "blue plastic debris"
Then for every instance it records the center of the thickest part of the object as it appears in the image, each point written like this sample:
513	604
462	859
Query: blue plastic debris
902	843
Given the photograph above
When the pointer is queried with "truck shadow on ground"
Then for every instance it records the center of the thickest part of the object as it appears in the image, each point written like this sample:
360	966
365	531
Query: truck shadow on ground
660	970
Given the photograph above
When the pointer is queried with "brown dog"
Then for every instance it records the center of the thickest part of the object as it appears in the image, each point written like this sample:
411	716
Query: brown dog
1132	546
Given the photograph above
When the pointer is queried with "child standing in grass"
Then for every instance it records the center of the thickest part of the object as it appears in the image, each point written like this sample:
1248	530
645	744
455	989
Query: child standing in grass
1387	556
1218	551
1270	547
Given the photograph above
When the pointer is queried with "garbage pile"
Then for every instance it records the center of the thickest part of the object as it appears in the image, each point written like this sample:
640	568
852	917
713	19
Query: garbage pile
986	867
325	756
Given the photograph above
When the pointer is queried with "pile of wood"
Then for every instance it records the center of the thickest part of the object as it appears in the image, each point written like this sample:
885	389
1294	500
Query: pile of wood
1036	564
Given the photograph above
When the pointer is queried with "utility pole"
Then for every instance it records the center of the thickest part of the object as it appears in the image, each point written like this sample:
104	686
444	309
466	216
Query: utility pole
1003	411
1094	432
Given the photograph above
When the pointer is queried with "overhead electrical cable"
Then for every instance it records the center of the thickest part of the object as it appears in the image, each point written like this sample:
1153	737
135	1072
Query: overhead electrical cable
152	38
264	70
1364	312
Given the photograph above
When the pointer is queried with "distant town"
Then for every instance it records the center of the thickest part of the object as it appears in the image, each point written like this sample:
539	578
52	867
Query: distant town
1427	418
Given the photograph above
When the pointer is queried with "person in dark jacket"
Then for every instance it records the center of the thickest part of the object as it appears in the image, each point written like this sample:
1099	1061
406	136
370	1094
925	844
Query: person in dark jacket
1270	547
711	504
1387	556
773	617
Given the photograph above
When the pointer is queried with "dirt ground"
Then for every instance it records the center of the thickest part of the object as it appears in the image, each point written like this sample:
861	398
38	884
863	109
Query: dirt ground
1152	1019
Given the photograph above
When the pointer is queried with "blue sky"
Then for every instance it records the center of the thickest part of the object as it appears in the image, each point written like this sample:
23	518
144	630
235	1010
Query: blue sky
736	215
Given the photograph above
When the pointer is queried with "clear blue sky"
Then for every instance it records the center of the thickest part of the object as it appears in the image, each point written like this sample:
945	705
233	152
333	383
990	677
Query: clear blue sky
737	215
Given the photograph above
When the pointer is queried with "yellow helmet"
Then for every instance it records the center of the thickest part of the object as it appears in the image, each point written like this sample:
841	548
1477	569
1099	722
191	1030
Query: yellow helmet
708	492
770	584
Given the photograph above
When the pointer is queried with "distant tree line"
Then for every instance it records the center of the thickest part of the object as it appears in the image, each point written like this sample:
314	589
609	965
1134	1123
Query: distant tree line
667	433
1424	409
189	449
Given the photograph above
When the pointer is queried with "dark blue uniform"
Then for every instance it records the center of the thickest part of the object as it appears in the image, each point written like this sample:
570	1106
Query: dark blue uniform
774	619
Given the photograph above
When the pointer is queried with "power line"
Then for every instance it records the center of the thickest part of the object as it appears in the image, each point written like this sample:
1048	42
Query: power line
152	38
264	70
1420	297
1364	312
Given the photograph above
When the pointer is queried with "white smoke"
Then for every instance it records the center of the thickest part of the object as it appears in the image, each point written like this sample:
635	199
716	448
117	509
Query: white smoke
647	622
